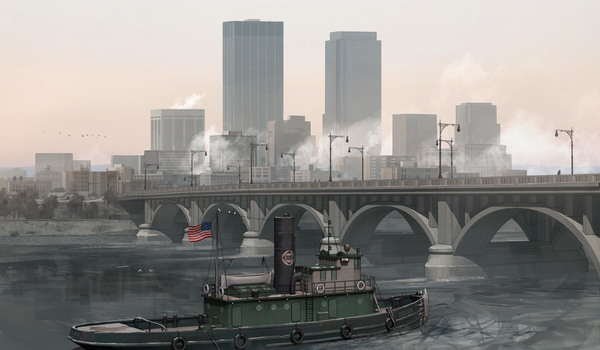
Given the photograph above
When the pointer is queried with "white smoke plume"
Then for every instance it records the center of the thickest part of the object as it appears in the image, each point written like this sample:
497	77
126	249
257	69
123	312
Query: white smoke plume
189	102
366	133
306	153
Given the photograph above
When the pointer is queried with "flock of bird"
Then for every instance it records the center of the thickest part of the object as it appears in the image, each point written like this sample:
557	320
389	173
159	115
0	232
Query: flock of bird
96	136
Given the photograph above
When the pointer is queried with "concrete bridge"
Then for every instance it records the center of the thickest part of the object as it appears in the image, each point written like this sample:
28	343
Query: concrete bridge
452	222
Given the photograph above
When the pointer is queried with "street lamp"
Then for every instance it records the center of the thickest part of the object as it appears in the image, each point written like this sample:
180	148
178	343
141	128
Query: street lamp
293	155
331	138
239	172
362	159
570	133
442	127
192	152
252	148
449	142
146	165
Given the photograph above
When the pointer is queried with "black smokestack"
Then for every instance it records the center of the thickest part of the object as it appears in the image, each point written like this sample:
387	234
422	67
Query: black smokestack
284	255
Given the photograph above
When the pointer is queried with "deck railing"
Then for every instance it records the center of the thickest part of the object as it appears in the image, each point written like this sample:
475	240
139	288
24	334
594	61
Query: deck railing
322	287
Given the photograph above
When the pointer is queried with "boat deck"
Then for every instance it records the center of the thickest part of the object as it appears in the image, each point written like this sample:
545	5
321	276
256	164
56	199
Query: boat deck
118	327
110	327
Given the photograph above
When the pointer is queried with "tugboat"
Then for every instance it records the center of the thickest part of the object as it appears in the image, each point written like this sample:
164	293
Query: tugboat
328	301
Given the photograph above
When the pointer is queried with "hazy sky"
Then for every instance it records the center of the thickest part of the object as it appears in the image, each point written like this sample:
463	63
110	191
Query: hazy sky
99	67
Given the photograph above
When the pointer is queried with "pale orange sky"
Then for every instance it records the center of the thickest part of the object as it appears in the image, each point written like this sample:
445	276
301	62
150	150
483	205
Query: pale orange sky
99	67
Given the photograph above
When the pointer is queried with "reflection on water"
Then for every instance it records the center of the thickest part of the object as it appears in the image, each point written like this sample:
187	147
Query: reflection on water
52	282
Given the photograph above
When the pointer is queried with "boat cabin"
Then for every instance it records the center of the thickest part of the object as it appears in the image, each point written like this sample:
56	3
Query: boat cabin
339	272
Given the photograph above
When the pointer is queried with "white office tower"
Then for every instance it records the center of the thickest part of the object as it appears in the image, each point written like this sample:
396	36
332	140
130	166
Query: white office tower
478	142
176	129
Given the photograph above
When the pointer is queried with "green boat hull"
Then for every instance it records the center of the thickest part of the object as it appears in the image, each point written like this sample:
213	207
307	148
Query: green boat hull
397	314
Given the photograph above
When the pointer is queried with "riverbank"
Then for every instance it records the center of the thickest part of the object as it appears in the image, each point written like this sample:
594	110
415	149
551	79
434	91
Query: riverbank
16	228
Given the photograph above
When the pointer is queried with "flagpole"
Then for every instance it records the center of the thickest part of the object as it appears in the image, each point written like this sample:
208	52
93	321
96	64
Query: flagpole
216	238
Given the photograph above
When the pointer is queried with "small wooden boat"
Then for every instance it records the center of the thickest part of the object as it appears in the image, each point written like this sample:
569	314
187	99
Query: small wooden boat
328	301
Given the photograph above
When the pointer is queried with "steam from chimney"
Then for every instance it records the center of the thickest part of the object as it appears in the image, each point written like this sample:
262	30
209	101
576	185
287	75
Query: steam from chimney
190	102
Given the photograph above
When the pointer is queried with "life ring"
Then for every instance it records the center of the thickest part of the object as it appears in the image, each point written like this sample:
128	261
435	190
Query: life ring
221	291
320	288
297	336
179	343
240	341
346	331
360	285
390	323
206	288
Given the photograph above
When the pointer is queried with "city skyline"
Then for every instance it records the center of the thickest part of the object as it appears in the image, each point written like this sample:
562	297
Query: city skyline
95	72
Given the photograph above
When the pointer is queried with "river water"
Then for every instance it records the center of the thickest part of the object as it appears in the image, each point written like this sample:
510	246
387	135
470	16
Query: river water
48	283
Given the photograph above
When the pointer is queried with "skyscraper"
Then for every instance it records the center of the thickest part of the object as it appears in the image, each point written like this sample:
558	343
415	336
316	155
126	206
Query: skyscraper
175	129
411	132
286	136
352	84
252	76
478	142
479	124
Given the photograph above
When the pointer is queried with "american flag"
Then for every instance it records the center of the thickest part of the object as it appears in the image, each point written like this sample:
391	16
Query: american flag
199	232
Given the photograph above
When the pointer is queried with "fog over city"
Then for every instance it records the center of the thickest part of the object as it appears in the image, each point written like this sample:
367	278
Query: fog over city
79	68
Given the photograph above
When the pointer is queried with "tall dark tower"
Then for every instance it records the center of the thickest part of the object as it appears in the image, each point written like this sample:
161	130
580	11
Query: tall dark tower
352	83
252	76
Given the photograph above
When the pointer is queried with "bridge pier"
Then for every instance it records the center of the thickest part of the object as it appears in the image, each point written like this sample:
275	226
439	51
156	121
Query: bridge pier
146	236
254	246
442	264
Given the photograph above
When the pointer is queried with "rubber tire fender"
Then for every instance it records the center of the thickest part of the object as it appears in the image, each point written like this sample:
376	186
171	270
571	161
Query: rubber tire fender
240	341
346	331
297	336
390	323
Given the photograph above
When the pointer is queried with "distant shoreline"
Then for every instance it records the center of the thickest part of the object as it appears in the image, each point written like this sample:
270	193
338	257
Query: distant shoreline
21	227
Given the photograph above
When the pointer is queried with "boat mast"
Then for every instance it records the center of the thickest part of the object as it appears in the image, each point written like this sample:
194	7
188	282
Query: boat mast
217	253
329	237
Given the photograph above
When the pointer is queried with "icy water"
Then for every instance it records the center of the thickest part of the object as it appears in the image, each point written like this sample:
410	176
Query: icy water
48	283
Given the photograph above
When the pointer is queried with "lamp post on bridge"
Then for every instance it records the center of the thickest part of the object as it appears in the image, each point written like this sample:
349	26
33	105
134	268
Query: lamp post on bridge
361	149
238	167
331	138
252	148
570	133
192	152
449	142
442	126
146	165
293	155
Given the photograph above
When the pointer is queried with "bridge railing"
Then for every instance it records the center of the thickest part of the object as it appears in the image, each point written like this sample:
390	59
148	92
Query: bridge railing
471	181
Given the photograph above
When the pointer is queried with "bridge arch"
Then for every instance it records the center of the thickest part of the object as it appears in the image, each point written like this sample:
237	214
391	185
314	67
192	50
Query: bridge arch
171	219
369	216
475	236
391	248
233	222
295	210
